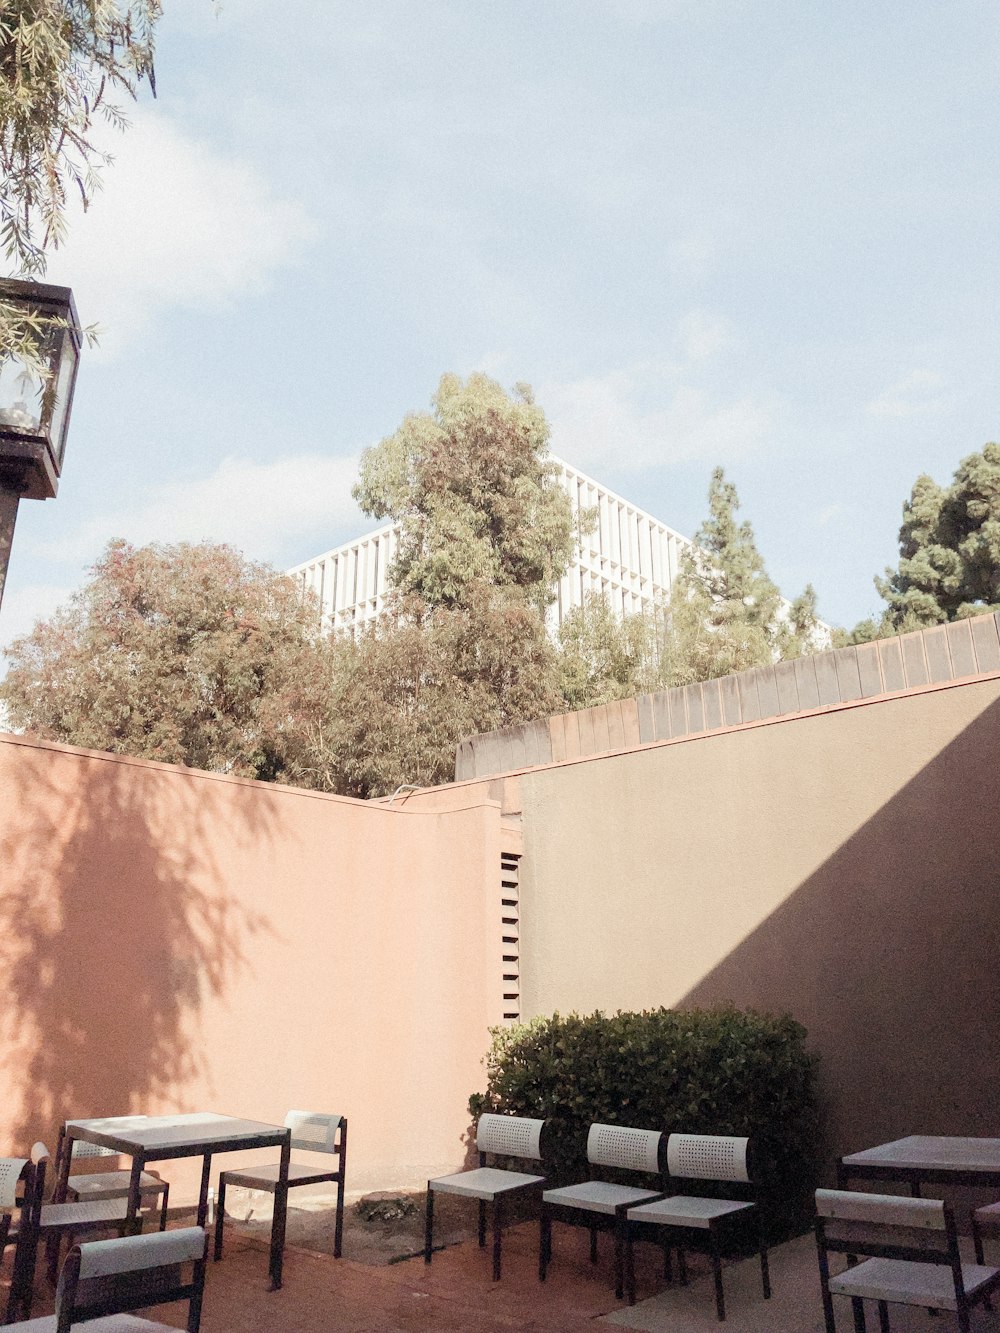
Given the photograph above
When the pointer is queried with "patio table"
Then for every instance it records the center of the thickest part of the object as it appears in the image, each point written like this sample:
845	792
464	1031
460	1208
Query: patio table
919	1159
160	1138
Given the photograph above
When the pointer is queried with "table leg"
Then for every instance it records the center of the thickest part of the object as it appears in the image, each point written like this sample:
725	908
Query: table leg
280	1214
206	1175
132	1223
60	1188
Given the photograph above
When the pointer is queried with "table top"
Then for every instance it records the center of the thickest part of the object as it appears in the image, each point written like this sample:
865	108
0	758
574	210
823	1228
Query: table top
933	1152
161	1136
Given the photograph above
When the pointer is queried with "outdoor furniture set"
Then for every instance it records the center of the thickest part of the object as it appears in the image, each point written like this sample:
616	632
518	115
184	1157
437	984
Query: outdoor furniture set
909	1244
111	1200
681	1221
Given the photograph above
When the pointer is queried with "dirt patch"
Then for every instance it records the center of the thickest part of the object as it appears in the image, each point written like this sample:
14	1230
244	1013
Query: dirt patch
379	1229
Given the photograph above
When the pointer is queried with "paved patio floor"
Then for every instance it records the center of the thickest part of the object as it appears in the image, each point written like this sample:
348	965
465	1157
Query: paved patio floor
323	1295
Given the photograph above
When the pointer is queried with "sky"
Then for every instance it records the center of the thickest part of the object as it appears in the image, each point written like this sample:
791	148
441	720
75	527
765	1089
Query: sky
760	234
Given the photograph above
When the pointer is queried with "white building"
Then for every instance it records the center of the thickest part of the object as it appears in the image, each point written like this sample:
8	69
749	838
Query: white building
630	557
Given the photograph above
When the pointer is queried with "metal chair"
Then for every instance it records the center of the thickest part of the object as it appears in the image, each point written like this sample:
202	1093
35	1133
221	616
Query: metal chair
50	1222
496	1136
311	1132
912	1257
110	1184
599	1204
689	1220
107	1278
17	1189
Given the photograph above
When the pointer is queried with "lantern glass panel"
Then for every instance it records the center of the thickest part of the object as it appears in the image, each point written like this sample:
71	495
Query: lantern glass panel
62	391
22	393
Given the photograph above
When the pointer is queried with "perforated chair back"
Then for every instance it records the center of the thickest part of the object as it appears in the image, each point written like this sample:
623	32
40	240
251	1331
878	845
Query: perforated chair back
109	1277
83	1149
707	1157
312	1131
509	1136
12	1172
627	1149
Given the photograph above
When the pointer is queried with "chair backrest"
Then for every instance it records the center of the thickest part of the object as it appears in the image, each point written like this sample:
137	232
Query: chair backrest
106	1277
707	1157
887	1226
509	1136
12	1171
313	1131
627	1149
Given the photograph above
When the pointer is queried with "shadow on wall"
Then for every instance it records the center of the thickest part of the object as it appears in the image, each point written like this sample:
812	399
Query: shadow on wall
889	953
113	932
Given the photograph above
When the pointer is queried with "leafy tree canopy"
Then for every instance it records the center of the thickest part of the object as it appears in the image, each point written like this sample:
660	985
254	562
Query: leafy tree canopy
604	656
186	654
474	494
59	60
726	613
949	548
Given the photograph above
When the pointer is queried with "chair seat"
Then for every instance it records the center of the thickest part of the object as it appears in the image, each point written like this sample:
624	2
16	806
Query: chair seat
113	1184
77	1216
908	1283
484	1182
111	1323
598	1196
266	1177
989	1215
685	1210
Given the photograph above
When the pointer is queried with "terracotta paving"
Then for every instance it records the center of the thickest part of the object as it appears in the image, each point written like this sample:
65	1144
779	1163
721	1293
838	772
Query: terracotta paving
323	1295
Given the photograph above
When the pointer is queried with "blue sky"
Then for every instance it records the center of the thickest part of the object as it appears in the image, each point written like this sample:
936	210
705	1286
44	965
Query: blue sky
761	233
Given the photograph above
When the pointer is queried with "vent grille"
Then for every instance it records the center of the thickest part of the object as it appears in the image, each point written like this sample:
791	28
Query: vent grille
510	915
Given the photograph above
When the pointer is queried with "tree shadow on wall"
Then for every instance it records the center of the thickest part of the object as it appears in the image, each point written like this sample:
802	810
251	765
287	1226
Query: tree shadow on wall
113	935
888	955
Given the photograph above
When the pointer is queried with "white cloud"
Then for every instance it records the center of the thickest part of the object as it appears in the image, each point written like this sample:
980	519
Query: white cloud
674	409
253	506
828	514
600	420
916	394
176	225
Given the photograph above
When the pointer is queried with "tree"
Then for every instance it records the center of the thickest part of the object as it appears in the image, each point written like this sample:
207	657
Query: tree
949	548
474	495
726	614
485	531
58	61
187	654
604	656
422	679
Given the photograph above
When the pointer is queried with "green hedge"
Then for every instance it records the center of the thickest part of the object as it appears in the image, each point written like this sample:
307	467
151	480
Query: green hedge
719	1071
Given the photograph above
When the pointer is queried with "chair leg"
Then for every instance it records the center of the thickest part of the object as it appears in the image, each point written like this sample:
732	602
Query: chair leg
593	1245
620	1256
883	1318
720	1299
482	1223
429	1225
858	1306
497	1235
629	1265
977	1240
220	1216
682	1265
163	1208
765	1272
668	1262
544	1243
338	1228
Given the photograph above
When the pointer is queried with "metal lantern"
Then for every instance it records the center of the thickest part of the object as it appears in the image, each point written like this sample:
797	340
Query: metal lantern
35	401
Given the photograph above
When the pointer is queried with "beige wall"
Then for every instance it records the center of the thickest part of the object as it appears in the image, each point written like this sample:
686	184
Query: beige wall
174	940
844	866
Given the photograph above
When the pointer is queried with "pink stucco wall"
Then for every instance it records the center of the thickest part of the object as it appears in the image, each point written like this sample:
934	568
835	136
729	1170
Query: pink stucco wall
177	940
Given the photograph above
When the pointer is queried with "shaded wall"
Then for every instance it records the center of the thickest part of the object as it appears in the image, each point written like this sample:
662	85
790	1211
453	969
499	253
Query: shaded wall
844	866
175	940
